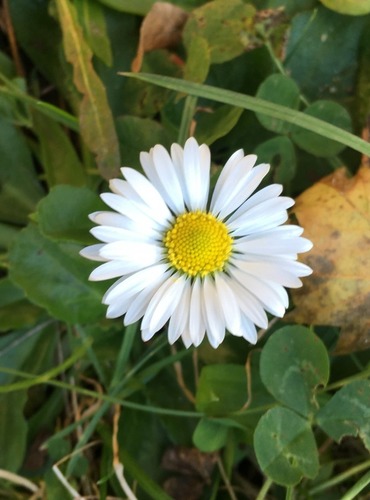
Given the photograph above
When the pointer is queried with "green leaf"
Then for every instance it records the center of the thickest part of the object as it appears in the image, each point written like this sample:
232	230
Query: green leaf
15	310
351	7
63	214
258	105
13	430
197	60
348	413
280	154
226	40
95	29
57	155
139	134
285	447
210	435
45	49
55	277
20	189
218	123
315	144
95	117
221	389
294	362
321	52
18	347
278	89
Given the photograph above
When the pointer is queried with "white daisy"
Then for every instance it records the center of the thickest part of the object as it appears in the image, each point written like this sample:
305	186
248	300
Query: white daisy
203	264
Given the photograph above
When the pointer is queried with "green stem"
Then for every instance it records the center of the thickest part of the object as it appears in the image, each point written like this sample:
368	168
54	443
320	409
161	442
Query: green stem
186	119
265	488
340	478
358	487
289	493
345	381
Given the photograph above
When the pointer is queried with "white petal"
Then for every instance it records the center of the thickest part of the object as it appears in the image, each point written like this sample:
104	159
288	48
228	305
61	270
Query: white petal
134	283
159	169
235	183
132	211
109	234
196	173
229	303
113	269
163	303
265	292
270	272
243	189
269	245
266	193
180	317
147	192
140	302
132	251
222	178
196	321
92	252
265	209
215	323
249	304
249	331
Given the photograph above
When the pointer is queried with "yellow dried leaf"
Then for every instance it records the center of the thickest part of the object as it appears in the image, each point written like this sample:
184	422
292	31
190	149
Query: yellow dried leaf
161	28
335	213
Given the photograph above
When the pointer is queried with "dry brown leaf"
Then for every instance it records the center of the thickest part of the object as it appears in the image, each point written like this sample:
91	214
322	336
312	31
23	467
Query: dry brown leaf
161	28
335	213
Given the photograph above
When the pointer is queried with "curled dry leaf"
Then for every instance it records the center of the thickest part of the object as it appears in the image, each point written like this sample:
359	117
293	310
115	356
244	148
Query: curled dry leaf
335	213
161	28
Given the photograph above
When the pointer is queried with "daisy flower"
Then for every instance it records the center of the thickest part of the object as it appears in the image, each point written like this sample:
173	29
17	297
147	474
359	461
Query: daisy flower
204	264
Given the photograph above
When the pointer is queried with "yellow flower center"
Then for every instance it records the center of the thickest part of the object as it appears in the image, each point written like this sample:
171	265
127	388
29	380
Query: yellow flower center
198	244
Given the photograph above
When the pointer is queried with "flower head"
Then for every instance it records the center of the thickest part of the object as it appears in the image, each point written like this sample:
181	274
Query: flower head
204	264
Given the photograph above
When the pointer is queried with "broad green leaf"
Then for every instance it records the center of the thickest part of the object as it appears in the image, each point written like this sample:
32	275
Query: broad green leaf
315	144
95	117
13	430
285	447
139	134
211	126
258	105
57	154
45	49
95	29
17	347
351	7
226	40
278	89
8	234
55	277
294	362
139	7
20	189
63	214
210	435
197	60
15	310
221	389
348	413
321	53
280	154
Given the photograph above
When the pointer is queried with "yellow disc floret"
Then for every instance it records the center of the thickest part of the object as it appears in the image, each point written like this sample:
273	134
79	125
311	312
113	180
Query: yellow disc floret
198	244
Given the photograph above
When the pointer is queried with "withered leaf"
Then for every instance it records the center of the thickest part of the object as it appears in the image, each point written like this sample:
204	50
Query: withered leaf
335	213
161	28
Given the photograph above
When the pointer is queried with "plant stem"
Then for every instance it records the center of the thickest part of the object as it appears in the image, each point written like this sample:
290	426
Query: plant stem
263	491
357	487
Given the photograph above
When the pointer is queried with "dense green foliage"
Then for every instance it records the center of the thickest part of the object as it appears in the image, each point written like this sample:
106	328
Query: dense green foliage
80	394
